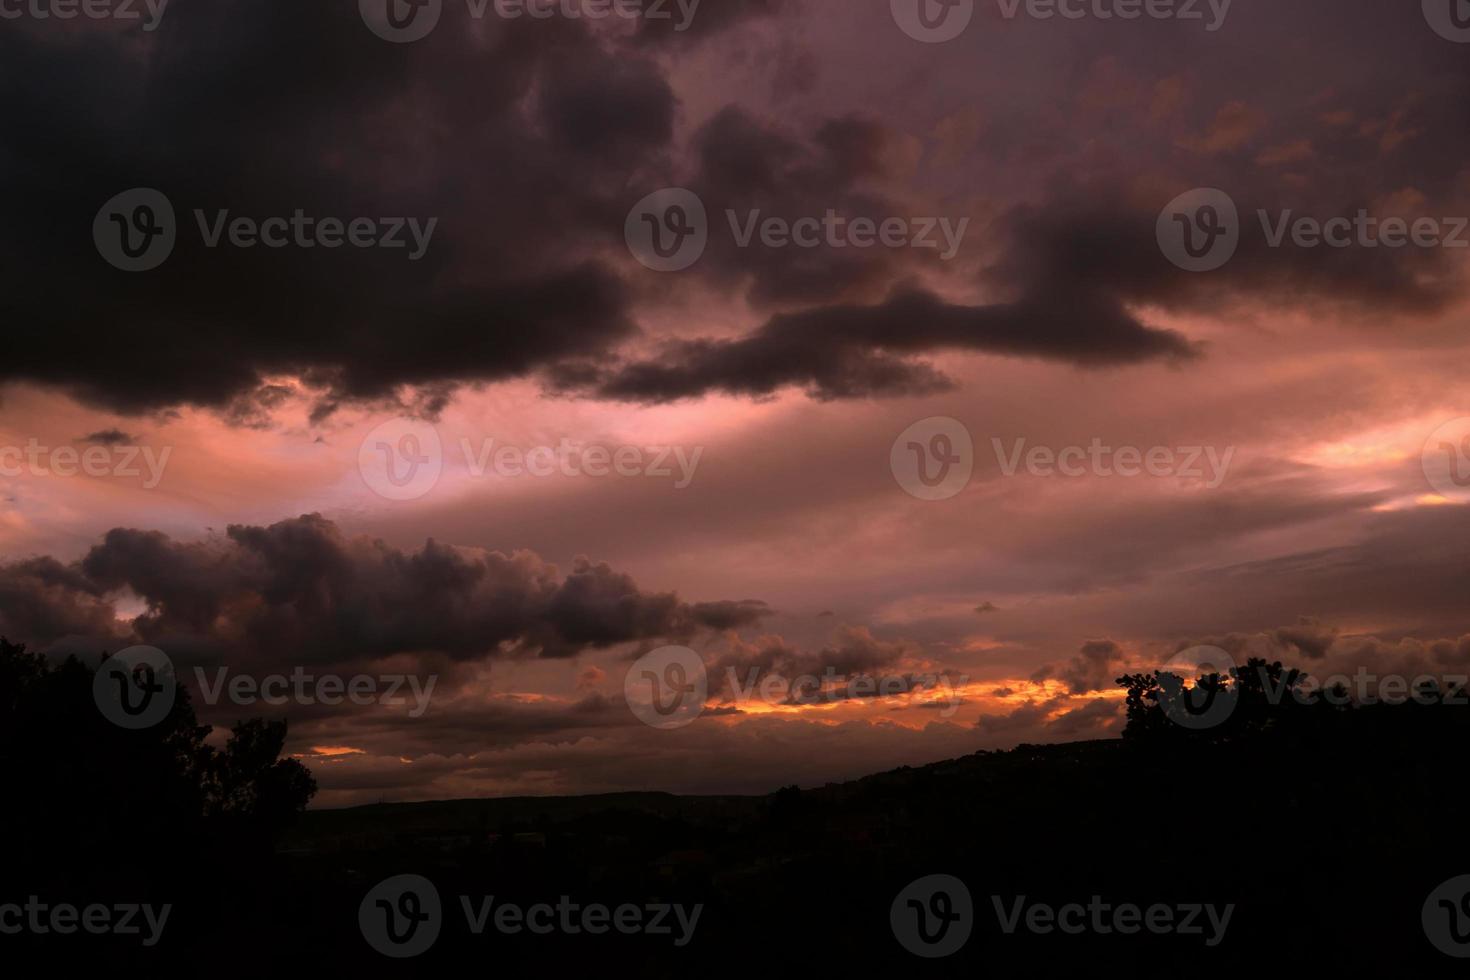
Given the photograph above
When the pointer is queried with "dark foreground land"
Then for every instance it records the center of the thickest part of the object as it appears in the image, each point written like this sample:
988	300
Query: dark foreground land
1324	830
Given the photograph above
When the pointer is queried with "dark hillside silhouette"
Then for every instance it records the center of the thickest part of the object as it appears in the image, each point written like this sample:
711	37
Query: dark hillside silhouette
1315	821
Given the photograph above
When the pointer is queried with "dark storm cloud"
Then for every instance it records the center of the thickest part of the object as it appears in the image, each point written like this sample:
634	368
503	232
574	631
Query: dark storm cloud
854	651
525	139
42	601
854	352
108	437
1093	668
519	138
301	592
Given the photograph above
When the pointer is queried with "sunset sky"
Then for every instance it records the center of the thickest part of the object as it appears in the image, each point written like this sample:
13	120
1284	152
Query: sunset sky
1336	535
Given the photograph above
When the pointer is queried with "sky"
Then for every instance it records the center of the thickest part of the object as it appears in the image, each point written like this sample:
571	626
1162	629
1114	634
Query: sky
926	384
